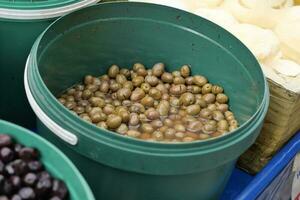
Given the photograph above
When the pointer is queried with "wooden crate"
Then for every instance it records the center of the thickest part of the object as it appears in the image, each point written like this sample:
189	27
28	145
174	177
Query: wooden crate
281	123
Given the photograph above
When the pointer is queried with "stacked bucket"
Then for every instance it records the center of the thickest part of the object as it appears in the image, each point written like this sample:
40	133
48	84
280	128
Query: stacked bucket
118	167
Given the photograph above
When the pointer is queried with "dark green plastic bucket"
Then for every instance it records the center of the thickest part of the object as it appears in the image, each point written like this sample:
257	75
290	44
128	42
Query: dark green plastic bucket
54	160
118	167
21	21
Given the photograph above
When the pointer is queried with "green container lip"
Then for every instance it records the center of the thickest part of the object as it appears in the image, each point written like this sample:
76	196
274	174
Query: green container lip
19	133
40	10
57	112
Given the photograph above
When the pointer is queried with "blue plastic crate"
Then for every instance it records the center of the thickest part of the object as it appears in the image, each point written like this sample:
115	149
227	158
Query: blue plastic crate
243	186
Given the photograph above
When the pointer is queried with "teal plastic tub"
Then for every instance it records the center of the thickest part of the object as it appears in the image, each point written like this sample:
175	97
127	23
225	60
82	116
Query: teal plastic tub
118	167
56	163
21	22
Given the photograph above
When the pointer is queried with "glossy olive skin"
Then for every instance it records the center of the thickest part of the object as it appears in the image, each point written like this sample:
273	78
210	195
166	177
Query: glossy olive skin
152	104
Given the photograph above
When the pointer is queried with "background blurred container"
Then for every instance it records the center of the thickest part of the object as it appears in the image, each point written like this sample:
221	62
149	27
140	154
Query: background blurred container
117	167
21	21
54	160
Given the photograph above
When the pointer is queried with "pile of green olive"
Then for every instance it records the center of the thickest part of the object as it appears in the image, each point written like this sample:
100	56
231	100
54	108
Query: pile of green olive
152	104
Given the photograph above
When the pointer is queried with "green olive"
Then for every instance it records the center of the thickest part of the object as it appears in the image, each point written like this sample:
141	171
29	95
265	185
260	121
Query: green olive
165	96
178	80
155	93
157	135
195	126
206	88
187	99
189	80
218	115
145	136
185	71
168	122
143	118
97	102
122	129
137	108
222	107
212	107
102	125
96	118
209	128
92	88
79	87
113	71
70	105
104	77
232	128
167	77
126	103
94	111
104	87
151	80
163	108
193	109
176	74
79	109
88	79
137	66
137	94
71	91
125	72
141	72
180	135
108	109
133	133
123	94
179	127
83	103
133	75
99	94
125	115
223	125
147	101
134	119
129	85
152	114
86	118
209	98
173	110
162	88
156	124
96	81
201	103
62	101
121	79
177	89
146	87
233	123
146	128
169	133
228	113
163	129
203	136
199	80
174	101
206	113
113	121
158	69
194	89
115	87
70	98
216	89
221	98
137	81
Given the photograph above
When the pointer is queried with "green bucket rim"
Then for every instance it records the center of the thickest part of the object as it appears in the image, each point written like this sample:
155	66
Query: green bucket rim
37	4
29	10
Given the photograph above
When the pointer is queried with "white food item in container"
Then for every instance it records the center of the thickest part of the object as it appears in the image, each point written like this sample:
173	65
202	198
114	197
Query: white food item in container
263	13
218	16
284	72
195	4
263	43
288	32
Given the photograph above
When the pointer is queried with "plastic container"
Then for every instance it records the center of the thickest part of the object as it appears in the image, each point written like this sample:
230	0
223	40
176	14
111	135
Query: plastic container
123	168
56	163
273	182
21	21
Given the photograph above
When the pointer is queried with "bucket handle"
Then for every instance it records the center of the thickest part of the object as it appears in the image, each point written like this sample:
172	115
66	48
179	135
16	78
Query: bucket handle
62	133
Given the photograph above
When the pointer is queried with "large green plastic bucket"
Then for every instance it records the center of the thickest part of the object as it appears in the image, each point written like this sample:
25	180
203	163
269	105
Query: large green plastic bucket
54	160
118	167
21	21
